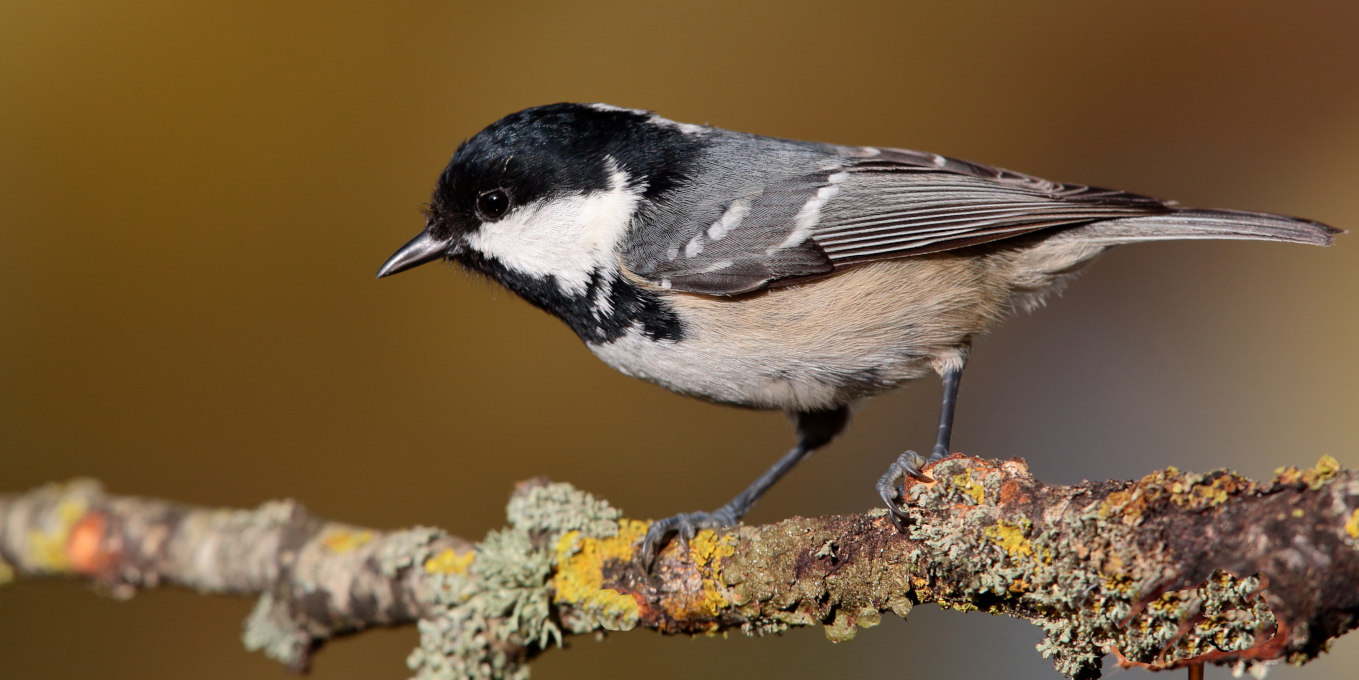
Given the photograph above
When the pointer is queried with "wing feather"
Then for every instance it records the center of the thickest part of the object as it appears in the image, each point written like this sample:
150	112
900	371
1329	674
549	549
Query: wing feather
862	205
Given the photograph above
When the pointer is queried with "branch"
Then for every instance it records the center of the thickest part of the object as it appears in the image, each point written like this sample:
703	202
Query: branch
1174	570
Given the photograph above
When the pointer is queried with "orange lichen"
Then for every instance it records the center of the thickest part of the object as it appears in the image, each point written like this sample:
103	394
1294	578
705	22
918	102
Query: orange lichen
84	547
47	549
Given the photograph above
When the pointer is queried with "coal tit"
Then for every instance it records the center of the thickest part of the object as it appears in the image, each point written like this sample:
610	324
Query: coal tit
776	274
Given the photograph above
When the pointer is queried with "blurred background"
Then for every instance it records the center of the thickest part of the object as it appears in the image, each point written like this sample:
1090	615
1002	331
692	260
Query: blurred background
194	198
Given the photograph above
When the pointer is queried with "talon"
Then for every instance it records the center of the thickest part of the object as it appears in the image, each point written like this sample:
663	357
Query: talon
683	526
891	487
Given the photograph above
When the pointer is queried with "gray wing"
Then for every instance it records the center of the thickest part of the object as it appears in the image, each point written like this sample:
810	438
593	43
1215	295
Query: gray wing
864	205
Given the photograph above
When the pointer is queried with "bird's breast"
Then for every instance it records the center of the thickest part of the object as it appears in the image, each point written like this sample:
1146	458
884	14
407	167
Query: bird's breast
819	344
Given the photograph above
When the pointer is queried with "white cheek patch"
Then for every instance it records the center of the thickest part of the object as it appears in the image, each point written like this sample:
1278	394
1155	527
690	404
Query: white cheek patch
568	237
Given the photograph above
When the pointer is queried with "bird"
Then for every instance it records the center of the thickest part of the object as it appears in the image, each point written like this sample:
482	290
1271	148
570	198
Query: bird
770	273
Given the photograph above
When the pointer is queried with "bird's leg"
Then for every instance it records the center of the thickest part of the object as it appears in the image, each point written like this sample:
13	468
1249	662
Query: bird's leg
951	377
909	463
814	430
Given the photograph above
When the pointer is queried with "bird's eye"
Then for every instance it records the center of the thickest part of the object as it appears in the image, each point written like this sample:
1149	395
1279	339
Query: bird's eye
492	204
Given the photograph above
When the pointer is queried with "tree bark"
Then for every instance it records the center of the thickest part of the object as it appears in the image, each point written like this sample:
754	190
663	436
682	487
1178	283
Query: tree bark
1170	571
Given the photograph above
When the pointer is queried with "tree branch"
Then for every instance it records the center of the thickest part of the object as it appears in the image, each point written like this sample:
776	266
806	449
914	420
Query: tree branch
1173	570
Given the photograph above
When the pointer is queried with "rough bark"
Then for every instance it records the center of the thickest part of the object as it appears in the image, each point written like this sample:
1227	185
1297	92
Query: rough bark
1173	570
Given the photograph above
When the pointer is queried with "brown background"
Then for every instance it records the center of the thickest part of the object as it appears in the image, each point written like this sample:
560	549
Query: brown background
194	197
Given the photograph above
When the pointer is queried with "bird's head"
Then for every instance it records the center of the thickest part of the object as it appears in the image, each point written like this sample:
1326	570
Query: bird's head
549	192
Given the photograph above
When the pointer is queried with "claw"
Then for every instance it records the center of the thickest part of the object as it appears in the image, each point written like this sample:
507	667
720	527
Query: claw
892	489
683	526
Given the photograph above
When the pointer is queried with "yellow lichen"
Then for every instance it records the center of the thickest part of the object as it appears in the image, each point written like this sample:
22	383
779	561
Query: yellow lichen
1352	524
1121	583
1192	492
1130	504
958	606
450	562
707	551
341	541
707	547
964	483
579	580
47	549
1314	477
1011	536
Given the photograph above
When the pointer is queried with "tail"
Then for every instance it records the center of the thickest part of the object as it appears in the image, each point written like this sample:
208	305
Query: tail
1193	223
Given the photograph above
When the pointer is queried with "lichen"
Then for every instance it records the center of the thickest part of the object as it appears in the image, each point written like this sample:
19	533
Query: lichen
343	540
46	547
1011	536
493	606
1313	478
707	551
560	508
1352	524
579	580
963	482
402	549
841	629
1080	575
515	575
271	629
449	561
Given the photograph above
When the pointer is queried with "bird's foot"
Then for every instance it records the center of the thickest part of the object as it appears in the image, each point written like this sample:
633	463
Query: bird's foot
891	486
684	526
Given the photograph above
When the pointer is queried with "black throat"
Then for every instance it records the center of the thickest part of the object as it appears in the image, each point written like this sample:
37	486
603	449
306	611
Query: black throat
610	306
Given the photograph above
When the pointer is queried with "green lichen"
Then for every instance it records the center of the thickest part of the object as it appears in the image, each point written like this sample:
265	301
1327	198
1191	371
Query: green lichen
493	607
1080	576
516	576
404	549
559	508
270	629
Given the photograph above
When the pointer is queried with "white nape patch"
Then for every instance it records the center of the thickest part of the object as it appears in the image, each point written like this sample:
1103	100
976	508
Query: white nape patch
730	219
810	213
601	106
568	237
686	128
694	246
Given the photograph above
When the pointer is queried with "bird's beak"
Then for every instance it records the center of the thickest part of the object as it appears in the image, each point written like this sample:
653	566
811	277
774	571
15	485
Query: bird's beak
419	250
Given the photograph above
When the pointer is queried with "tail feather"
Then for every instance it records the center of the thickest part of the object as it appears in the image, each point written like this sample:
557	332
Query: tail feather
1203	224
